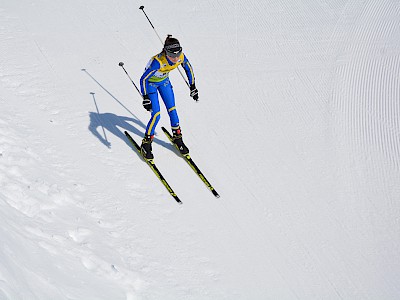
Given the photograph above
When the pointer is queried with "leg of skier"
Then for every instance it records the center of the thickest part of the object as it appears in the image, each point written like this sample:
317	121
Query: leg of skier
146	147
167	94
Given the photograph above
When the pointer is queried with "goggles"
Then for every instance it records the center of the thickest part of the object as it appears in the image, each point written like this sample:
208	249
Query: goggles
173	50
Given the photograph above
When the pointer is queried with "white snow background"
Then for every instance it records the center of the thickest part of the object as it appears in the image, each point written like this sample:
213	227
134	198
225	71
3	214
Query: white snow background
297	128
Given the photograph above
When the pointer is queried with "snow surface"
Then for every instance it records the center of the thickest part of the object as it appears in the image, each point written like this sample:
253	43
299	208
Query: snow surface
297	128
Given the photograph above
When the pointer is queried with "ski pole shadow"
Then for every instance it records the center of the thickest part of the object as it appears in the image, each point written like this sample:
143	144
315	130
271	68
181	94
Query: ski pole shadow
112	96
112	123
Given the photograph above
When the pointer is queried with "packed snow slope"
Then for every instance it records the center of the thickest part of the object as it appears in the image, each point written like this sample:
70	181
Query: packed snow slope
297	128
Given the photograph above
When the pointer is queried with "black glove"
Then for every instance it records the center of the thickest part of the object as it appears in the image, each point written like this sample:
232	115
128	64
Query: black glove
194	93
146	102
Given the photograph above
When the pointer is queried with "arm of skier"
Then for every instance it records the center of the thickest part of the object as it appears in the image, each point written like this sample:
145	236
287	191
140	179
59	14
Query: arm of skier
151	68
194	93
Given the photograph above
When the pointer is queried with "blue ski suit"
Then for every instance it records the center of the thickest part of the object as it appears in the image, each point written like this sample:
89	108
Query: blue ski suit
155	79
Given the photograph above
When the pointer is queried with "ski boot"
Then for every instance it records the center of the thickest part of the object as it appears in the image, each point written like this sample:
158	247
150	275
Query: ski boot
146	148
177	139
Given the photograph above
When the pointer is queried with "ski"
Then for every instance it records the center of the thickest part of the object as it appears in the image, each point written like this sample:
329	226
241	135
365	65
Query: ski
191	163
153	167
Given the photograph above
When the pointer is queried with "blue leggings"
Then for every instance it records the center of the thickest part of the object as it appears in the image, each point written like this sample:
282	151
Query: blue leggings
167	94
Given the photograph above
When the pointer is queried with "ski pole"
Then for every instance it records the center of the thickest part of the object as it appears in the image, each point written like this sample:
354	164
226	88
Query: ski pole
142	8
121	64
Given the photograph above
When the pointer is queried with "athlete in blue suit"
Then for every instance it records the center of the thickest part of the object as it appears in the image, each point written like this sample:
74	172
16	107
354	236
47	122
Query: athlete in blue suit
154	81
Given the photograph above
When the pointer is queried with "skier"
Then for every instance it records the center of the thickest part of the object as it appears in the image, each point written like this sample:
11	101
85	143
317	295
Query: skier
154	80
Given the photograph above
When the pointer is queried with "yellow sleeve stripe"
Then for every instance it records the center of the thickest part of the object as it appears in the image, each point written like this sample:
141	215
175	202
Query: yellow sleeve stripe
191	72
172	108
144	81
152	122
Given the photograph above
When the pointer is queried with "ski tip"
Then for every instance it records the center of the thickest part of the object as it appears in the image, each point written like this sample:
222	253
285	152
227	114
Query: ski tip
215	194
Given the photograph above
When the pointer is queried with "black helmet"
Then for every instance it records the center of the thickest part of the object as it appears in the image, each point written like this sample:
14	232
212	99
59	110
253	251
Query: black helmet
172	47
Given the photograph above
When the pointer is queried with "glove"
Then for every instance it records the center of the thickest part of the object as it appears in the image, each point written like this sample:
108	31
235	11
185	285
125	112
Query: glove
146	102
194	93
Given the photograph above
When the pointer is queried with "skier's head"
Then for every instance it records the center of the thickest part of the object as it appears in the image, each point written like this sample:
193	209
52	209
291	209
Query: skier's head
172	47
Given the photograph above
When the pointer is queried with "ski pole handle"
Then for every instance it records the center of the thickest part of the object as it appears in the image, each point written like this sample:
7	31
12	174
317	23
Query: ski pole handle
121	64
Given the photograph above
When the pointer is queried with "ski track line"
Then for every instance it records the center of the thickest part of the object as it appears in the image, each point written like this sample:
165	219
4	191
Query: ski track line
366	126
368	92
307	118
372	96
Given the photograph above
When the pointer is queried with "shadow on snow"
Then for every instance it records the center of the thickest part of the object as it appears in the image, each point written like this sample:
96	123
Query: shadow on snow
117	124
